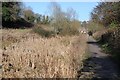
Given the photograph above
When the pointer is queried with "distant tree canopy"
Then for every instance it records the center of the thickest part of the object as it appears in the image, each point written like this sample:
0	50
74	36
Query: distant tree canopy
106	13
11	15
84	24
15	15
28	15
11	11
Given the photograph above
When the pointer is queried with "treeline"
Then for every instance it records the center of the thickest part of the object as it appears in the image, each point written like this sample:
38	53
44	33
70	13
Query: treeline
108	14
62	23
16	15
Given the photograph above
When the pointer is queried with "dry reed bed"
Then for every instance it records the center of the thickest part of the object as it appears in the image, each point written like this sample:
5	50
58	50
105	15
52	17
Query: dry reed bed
44	57
9	36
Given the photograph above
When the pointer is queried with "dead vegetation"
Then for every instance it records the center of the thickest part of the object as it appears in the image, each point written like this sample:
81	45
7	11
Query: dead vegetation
13	36
34	56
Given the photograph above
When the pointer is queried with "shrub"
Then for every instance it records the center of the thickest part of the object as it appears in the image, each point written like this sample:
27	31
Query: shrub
66	27
110	41
106	48
63	28
43	32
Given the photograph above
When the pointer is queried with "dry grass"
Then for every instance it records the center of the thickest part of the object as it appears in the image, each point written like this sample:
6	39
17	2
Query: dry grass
34	56
12	36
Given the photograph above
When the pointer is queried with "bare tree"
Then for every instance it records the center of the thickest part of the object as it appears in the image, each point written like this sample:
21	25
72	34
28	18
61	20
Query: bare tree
71	14
63	22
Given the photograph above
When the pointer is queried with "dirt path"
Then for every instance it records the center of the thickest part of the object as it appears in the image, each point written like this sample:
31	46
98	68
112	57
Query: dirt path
99	65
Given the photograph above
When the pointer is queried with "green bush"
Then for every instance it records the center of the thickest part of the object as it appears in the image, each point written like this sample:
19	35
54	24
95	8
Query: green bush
106	48
66	27
110	42
43	32
61	31
115	40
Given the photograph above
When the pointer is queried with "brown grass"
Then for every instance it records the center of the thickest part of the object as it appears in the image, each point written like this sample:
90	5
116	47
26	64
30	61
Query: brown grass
13	36
35	56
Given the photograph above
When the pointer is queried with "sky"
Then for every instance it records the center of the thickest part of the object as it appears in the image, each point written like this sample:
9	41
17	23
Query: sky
82	9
